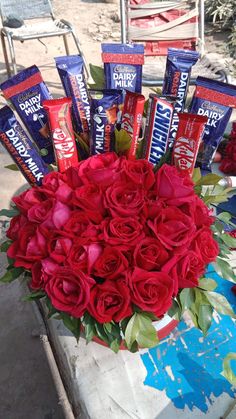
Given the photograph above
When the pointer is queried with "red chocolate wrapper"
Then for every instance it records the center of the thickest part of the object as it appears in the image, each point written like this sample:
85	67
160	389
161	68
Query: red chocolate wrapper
132	119
59	117
187	141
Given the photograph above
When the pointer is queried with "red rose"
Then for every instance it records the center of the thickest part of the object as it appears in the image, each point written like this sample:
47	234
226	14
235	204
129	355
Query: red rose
205	245
83	255
198	211
79	225
102	169
124	199
30	247
42	211
153	205
122	231
69	291
228	166
89	197
151	291
139	171
27	199
39	277
60	214
59	246
173	186
16	224
64	194
173	228
110	301
150	254
186	270
71	177
110	264
51	183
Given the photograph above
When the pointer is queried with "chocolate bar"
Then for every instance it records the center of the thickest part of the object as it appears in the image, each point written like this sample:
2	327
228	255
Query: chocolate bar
58	111
21	148
26	91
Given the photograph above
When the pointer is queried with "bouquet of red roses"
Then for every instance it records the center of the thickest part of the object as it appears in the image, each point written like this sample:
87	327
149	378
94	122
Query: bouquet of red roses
112	246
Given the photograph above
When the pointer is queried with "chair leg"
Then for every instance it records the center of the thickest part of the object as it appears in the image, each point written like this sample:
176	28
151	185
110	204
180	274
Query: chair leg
66	45
76	40
4	50
12	53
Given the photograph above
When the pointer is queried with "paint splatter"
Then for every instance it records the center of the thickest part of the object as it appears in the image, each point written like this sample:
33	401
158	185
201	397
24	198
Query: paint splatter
188	366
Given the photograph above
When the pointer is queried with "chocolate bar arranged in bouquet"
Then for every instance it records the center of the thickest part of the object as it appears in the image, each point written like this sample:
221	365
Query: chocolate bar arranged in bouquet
99	116
118	235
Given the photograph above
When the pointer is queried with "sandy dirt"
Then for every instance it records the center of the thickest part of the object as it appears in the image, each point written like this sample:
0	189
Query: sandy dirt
94	22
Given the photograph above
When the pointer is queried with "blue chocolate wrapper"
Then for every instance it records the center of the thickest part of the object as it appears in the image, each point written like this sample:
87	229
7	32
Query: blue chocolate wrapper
123	66
104	111
21	148
70	69
215	100
26	91
177	75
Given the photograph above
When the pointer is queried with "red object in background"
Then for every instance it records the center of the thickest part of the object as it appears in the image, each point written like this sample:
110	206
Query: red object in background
153	48
228	164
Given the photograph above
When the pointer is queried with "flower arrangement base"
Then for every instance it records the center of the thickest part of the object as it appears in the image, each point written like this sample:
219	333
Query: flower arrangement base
163	327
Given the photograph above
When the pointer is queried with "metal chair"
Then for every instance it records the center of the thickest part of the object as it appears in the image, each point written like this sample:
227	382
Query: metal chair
45	26
187	27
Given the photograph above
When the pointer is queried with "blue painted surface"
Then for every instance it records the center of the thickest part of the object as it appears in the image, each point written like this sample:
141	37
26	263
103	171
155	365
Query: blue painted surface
188	366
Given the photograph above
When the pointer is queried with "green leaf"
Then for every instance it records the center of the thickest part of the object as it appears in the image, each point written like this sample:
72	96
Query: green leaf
11	275
122	141
225	217
51	310
5	245
89	327
227	370
36	295
224	269
194	317
211	179
205	317
228	240
166	158
97	74
186	297
73	324
207	284
9	212
175	311
140	329
107	327
115	345
220	303
12	167
196	175
101	333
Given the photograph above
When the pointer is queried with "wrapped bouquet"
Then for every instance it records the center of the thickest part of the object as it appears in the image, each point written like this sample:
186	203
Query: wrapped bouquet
115	240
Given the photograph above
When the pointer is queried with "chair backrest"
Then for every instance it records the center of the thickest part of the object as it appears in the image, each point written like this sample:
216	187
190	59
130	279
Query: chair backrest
25	9
159	24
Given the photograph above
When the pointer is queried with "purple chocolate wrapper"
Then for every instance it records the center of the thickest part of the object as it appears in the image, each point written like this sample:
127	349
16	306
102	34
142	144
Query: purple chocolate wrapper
26	91
123	66
177	75
21	148
215	100
70	69
104	110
